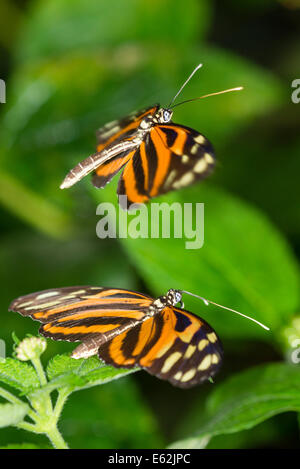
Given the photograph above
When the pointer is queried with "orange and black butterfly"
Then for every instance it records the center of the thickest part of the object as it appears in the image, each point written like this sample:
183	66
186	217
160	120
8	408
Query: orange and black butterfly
155	154
129	329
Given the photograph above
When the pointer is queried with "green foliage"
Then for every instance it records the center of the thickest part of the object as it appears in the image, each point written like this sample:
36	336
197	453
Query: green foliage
65	375
21	446
12	414
227	268
64	371
120	415
18	375
247	399
75	67
98	25
31	208
240	403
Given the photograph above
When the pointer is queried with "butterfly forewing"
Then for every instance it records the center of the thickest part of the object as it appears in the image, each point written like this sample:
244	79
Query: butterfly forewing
87	314
190	157
170	158
122	128
114	133
195	354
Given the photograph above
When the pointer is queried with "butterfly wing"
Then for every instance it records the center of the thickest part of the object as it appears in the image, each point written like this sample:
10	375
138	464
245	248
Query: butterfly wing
137	176
190	157
114	145
171	157
110	134
91	315
106	171
174	345
119	128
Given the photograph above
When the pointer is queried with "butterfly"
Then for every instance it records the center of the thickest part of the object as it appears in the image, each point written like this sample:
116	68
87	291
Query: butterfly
128	329
155	155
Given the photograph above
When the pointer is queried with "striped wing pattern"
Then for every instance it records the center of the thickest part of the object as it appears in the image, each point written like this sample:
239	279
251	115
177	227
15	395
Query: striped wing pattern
111	134
191	157
162	158
114	130
171	157
172	344
88	314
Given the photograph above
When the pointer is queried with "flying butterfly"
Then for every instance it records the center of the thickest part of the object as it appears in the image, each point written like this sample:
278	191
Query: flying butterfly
155	154
129	329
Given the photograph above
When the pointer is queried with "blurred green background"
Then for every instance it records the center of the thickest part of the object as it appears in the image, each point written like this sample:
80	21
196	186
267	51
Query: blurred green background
71	67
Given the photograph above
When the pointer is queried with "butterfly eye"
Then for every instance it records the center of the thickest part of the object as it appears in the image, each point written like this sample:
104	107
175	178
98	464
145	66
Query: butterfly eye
167	115
178	297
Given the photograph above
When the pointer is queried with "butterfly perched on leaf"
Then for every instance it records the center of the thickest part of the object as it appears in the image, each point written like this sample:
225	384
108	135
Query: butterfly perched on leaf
154	154
129	329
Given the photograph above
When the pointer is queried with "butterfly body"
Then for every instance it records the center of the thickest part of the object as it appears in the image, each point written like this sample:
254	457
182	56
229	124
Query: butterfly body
128	329
155	154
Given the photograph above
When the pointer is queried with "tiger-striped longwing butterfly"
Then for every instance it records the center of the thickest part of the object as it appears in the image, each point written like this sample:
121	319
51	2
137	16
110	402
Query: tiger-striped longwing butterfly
129	329
155	154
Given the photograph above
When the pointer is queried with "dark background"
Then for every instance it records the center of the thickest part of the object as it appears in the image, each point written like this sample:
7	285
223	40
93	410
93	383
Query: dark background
72	67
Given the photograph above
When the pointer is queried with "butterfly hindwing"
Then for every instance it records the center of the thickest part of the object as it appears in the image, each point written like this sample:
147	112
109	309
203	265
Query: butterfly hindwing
136	176
123	350
174	345
193	354
105	172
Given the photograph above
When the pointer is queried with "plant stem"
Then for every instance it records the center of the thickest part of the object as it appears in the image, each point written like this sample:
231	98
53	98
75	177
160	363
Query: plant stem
56	439
27	426
60	402
43	380
14	400
41	410
40	370
10	397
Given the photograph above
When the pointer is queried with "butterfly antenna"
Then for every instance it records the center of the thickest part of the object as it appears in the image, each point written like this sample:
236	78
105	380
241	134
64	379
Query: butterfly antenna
185	83
225	307
238	88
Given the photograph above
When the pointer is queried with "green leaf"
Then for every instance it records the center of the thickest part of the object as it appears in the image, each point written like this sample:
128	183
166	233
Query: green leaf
19	375
64	371
244	264
247	399
50	29
33	208
221	117
116	415
63	364
11	414
21	446
43	116
42	121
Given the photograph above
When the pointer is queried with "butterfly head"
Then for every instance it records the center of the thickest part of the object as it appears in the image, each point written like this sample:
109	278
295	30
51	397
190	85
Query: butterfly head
174	297
170	299
163	115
